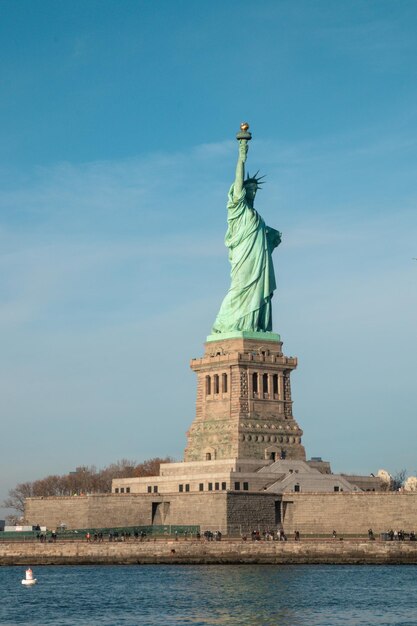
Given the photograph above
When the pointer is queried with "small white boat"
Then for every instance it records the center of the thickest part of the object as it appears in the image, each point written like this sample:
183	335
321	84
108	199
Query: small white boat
29	580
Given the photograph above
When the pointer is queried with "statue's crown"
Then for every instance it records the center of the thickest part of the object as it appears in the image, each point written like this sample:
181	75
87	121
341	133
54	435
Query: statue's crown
256	180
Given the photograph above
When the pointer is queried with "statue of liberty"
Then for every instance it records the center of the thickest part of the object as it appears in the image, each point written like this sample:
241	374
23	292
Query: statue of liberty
247	304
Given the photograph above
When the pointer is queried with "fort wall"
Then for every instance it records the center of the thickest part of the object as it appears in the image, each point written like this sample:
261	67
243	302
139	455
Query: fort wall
349	513
233	512
207	510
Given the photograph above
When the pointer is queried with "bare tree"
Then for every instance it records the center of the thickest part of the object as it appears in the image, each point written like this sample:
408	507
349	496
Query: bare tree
151	466
84	480
17	496
398	479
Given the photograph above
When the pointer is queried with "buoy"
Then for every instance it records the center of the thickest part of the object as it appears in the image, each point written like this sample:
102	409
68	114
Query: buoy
29	580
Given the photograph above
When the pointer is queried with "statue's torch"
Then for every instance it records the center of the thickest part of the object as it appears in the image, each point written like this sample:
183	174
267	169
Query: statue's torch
244	132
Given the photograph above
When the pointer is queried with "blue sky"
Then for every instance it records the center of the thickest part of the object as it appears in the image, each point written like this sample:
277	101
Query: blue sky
118	122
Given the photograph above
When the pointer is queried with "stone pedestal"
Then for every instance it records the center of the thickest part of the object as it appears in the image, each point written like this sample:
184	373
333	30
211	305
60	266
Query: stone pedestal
244	406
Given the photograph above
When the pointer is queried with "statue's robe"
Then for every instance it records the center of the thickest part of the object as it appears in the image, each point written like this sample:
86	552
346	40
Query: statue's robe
247	305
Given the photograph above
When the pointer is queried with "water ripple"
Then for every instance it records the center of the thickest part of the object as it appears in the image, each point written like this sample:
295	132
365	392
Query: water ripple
214	595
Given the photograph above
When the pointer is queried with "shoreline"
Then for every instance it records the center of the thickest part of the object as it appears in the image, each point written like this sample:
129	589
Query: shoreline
193	552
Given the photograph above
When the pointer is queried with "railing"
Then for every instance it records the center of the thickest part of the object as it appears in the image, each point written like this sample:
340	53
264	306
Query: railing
181	533
120	533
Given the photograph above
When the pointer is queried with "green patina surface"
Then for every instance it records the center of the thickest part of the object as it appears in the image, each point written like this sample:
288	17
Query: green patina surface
247	304
245	334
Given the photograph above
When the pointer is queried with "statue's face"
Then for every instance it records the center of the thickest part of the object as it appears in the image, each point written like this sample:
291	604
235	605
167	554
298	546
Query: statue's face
250	191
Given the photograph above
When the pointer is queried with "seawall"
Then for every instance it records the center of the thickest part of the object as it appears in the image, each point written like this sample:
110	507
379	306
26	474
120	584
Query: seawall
202	552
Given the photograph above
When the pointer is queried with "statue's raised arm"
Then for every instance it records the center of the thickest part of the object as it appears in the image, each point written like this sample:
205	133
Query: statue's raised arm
243	137
247	305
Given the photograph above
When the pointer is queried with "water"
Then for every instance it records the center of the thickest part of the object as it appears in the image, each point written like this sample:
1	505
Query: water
218	595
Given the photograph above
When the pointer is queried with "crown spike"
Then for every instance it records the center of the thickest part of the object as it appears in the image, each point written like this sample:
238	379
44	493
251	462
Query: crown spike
255	179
